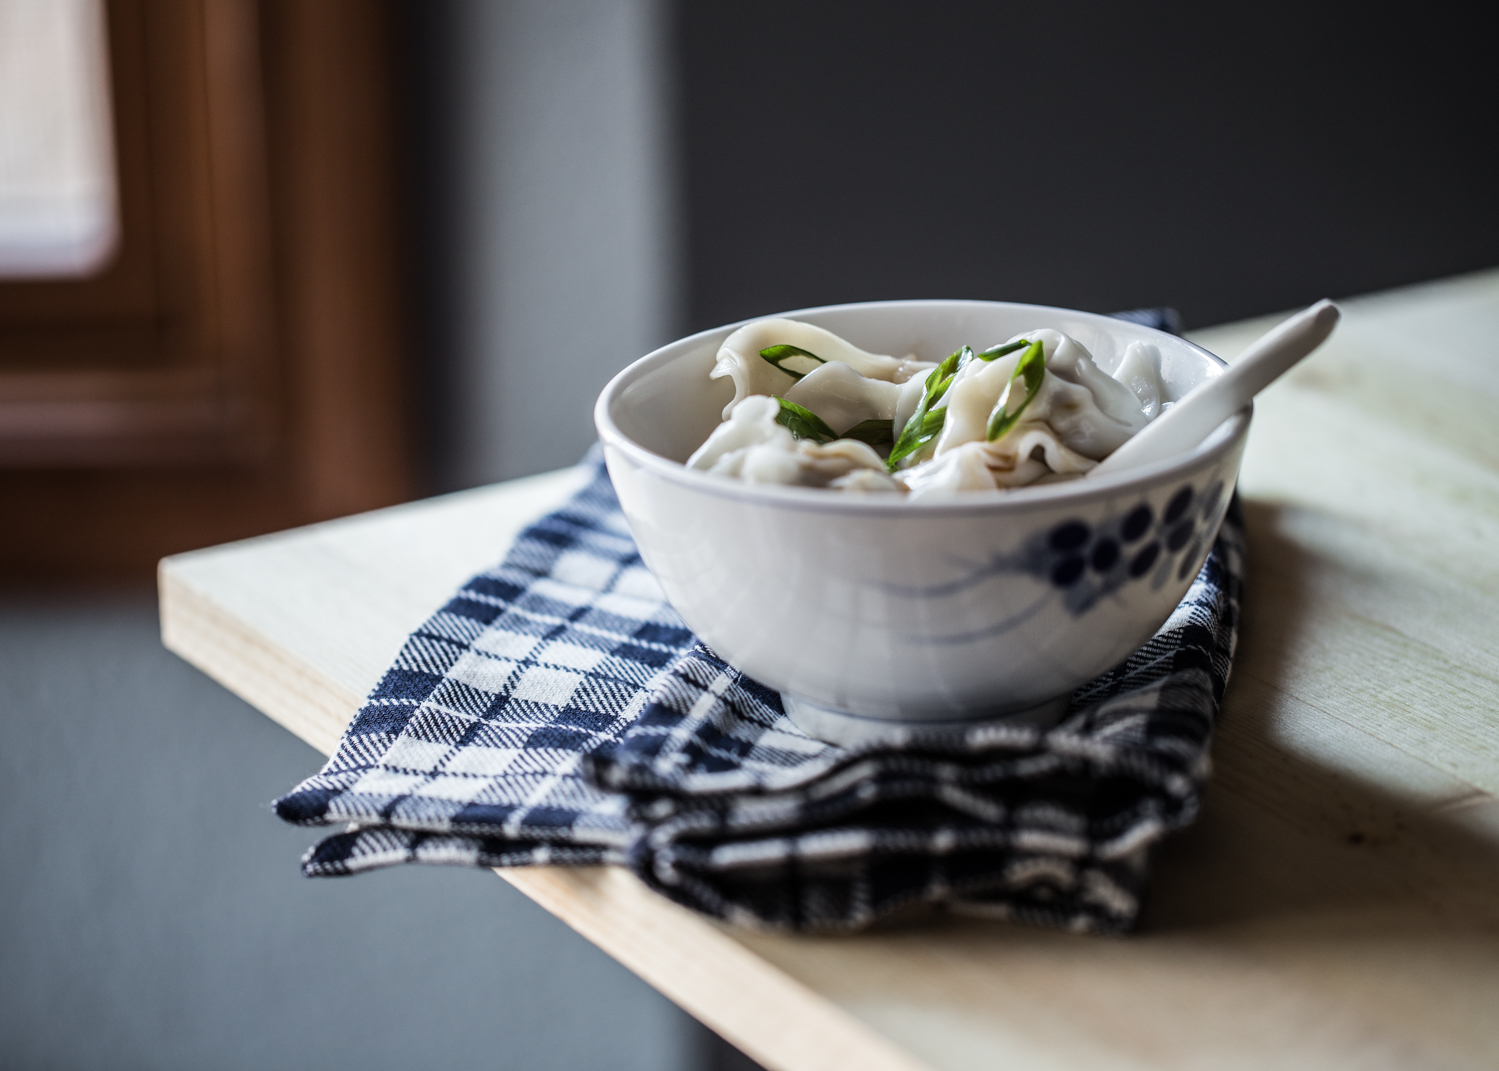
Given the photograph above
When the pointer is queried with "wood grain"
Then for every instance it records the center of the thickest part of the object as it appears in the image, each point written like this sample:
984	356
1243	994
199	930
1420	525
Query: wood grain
1335	905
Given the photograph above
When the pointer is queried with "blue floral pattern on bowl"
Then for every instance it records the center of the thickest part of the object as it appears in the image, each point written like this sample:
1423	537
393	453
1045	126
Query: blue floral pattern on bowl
1088	562
1083	563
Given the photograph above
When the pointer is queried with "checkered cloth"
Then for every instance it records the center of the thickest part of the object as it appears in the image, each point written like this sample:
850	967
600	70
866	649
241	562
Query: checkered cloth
557	711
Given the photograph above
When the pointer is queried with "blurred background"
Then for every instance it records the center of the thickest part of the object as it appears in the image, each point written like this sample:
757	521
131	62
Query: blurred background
264	262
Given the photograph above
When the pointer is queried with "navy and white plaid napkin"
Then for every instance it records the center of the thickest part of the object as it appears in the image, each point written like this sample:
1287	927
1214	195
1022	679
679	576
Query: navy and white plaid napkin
557	711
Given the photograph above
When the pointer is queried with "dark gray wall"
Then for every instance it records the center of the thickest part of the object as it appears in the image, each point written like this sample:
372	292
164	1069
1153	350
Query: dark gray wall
544	220
1227	159
593	178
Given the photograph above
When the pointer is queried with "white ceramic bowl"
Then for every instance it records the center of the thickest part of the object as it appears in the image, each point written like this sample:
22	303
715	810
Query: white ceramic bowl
872	610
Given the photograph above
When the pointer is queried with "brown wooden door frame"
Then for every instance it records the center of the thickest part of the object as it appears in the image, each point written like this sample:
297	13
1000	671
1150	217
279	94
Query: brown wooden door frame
239	366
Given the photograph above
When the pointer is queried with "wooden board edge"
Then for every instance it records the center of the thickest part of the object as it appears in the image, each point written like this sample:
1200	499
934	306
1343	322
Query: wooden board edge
263	674
769	1015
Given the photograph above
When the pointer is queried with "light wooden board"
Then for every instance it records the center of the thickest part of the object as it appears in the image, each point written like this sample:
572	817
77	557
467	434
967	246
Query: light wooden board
1336	906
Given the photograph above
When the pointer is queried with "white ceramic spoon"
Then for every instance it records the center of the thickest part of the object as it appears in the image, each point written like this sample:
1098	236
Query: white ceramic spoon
1211	402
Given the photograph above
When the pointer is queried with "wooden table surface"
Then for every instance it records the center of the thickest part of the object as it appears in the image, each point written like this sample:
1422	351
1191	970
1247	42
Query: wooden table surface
1337	904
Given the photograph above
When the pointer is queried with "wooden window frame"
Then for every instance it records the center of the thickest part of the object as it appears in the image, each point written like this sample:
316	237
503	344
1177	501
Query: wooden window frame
239	365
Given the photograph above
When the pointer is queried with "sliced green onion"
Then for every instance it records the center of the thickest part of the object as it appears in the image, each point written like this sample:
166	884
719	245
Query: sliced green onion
1032	369
951	365
927	422
874	432
803	423
930	427
921	429
1007	348
925	425
776	354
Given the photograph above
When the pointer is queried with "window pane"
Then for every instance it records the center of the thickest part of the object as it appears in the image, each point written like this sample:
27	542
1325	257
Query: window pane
58	213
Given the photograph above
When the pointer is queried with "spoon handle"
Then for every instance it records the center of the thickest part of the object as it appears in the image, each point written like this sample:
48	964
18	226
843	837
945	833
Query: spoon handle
1211	402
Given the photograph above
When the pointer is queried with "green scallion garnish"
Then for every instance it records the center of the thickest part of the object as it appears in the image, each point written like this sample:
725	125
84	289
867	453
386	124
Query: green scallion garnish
803	423
926	424
776	354
1031	368
1007	348
874	432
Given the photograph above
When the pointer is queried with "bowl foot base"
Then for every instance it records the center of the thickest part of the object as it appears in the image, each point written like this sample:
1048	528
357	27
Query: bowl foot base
853	730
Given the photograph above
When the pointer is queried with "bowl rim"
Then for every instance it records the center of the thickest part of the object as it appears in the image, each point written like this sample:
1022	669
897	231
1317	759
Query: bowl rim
1019	499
